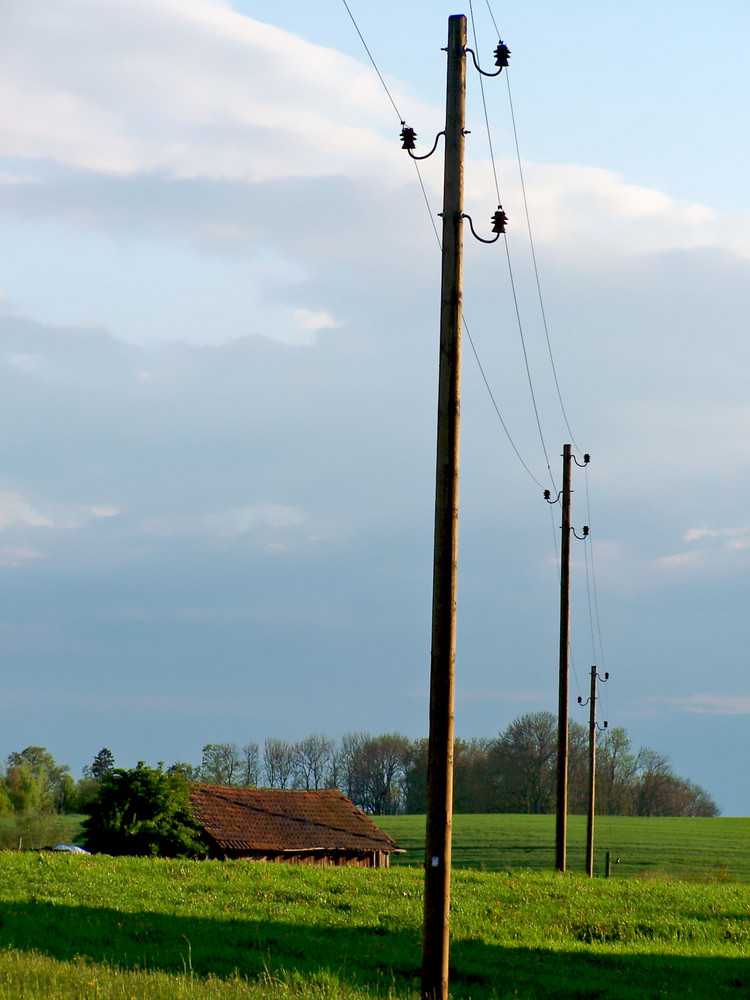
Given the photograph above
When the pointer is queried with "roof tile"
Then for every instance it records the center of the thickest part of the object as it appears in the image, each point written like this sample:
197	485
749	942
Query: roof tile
285	820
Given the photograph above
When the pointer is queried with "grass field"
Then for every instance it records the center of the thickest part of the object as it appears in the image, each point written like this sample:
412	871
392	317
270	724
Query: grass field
717	848
74	928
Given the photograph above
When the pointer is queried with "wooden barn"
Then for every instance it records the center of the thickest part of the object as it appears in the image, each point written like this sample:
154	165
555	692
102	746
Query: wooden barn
314	828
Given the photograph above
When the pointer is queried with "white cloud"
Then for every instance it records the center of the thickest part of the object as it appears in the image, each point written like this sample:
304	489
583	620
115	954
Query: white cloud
739	538
308	323
591	209
709	704
682	561
314	321
191	90
15	510
225	524
12	557
102	511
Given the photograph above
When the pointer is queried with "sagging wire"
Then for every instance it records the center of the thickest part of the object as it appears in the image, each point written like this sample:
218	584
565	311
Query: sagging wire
494	403
593	576
395	107
592	591
526	363
439	242
531	242
510	267
536	268
374	64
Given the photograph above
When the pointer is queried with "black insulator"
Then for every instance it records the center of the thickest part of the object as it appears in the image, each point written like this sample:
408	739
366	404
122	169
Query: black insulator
586	459
502	54
585	530
408	138
499	220
547	494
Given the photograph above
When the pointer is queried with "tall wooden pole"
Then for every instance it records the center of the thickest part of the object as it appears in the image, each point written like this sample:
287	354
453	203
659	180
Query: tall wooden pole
562	708
592	776
440	757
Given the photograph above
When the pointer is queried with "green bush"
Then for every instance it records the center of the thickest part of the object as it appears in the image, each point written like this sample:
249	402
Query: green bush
143	811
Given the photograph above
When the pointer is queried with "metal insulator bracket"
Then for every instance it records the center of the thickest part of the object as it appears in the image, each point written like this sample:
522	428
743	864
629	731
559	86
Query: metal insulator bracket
413	136
502	55
499	220
408	137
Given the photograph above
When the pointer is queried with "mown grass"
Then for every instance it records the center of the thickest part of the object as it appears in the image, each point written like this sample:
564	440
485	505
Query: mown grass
716	848
80	927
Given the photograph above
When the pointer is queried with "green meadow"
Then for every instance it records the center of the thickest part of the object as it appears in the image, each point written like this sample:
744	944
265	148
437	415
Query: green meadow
78	927
712	849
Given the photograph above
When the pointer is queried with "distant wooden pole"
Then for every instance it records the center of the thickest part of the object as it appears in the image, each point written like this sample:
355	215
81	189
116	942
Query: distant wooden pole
435	959
592	776
562	708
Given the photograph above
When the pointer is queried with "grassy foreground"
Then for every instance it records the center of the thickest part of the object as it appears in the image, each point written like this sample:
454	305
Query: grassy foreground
712	849
85	927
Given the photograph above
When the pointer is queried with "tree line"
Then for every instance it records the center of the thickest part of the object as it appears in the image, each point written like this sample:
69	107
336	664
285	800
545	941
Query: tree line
514	772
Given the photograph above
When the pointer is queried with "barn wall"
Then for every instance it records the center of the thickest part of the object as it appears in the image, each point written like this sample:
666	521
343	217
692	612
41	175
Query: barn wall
358	859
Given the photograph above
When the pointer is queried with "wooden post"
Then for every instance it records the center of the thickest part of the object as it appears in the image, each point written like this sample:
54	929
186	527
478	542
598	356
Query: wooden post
592	776
435	960
562	707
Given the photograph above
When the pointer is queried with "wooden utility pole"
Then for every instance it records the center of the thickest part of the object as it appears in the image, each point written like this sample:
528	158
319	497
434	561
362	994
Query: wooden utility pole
592	772
592	777
562	708
440	756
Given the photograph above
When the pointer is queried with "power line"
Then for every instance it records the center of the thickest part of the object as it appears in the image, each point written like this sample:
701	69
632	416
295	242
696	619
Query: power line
510	268
534	261
437	237
374	64
497	410
593	574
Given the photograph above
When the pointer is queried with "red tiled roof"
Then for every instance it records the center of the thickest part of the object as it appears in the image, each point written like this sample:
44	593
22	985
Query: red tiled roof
284	820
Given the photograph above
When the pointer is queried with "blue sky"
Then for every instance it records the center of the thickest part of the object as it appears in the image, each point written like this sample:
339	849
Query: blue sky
218	351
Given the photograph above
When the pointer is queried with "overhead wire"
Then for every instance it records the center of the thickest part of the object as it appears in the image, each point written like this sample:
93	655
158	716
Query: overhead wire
593	574
437	236
589	586
536	268
515	301
374	64
510	266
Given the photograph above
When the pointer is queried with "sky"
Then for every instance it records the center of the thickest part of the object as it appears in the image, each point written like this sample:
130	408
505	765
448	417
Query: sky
219	310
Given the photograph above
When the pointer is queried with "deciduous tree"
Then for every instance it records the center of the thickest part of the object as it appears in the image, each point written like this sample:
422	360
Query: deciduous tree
143	811
313	757
221	764
278	762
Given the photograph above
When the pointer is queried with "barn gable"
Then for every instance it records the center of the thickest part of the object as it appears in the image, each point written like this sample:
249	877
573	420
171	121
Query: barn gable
317	827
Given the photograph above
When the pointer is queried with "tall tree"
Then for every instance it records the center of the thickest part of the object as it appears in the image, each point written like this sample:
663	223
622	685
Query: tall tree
374	771
524	761
578	767
615	773
313	758
278	762
221	763
250	765
35	782
103	763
